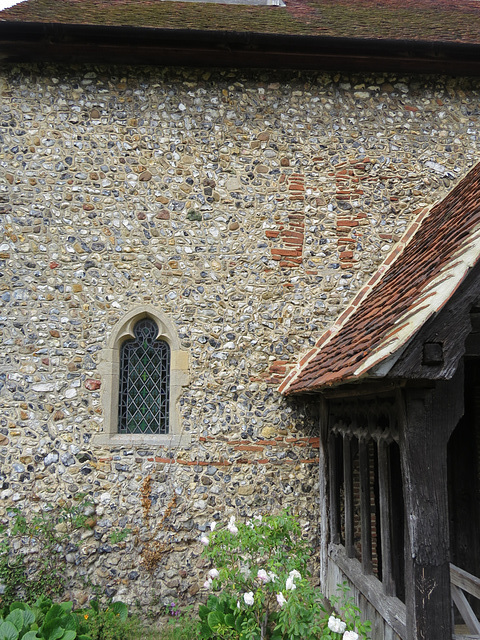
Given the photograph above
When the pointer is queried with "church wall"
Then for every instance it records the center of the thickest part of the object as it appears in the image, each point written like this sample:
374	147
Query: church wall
248	208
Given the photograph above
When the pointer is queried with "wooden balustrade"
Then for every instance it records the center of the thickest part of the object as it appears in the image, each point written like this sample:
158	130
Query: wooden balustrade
461	582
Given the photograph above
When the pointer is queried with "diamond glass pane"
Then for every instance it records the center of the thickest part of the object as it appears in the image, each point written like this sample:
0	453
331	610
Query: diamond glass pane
144	381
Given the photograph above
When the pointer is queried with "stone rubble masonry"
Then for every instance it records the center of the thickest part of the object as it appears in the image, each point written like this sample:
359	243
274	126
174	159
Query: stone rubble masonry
248	207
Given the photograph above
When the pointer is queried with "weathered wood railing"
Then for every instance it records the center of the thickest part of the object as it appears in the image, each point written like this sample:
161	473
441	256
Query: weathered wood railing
462	581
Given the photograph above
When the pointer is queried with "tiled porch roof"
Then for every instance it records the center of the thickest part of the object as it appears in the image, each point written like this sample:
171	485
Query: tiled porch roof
414	282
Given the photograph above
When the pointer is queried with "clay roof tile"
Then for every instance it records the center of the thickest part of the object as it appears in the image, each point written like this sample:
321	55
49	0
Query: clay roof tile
433	259
422	20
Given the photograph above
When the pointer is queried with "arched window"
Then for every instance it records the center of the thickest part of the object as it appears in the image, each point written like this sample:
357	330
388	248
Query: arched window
143	369
144	393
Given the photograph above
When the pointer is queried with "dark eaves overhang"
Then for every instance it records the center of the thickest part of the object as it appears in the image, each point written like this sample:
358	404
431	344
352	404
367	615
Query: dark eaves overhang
71	43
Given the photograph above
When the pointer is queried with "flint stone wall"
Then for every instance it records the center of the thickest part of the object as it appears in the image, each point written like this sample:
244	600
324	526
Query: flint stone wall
248	207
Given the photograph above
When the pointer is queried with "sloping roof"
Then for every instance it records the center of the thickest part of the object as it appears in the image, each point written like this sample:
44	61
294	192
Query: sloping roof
434	36
415	281
429	20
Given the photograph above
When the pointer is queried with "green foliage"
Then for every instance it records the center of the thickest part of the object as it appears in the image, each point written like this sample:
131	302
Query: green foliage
44	535
12	569
41	621
45	620
182	627
221	618
120	535
348	610
111	623
260	564
261	587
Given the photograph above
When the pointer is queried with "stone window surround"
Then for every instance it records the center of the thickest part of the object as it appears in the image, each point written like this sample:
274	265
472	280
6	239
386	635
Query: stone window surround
110	369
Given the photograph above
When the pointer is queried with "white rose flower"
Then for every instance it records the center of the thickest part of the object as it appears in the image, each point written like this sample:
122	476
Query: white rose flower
248	598
258	518
290	585
207	584
272	576
336	625
262	575
213	573
204	540
294	574
245	571
281	599
350	635
231	526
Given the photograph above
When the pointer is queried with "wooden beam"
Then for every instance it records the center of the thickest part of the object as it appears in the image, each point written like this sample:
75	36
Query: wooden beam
348	490
391	609
373	388
450	328
334	491
323	490
428	418
385	499
466	581
465	609
365	509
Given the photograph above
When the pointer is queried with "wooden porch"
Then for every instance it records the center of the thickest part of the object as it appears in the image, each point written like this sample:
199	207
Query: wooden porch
398	384
388	613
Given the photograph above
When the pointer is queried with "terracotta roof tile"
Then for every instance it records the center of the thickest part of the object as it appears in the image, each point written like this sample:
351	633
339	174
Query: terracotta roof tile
415	281
425	20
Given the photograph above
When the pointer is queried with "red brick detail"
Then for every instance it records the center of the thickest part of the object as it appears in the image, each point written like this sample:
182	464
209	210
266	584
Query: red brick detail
92	385
290	263
349	178
346	223
288	237
285	252
253	446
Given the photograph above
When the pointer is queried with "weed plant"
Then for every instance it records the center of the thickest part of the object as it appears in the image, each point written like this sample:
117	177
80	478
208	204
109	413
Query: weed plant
32	551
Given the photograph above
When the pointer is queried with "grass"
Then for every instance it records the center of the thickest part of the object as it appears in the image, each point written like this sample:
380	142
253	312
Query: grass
182	628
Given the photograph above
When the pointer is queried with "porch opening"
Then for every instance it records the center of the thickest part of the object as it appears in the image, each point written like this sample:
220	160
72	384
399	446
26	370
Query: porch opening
463	455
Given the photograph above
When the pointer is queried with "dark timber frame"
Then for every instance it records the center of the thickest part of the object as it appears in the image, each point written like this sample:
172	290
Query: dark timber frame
385	442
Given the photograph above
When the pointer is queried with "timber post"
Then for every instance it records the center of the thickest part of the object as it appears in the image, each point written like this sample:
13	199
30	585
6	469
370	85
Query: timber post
428	417
323	490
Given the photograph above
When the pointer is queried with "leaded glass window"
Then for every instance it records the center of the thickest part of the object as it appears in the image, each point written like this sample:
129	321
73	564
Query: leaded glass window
144	381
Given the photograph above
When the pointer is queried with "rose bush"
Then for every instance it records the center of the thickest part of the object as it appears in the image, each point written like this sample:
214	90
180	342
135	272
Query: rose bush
259	586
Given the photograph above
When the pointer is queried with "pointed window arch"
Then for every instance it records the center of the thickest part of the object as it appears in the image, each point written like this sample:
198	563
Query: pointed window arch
144	390
143	372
